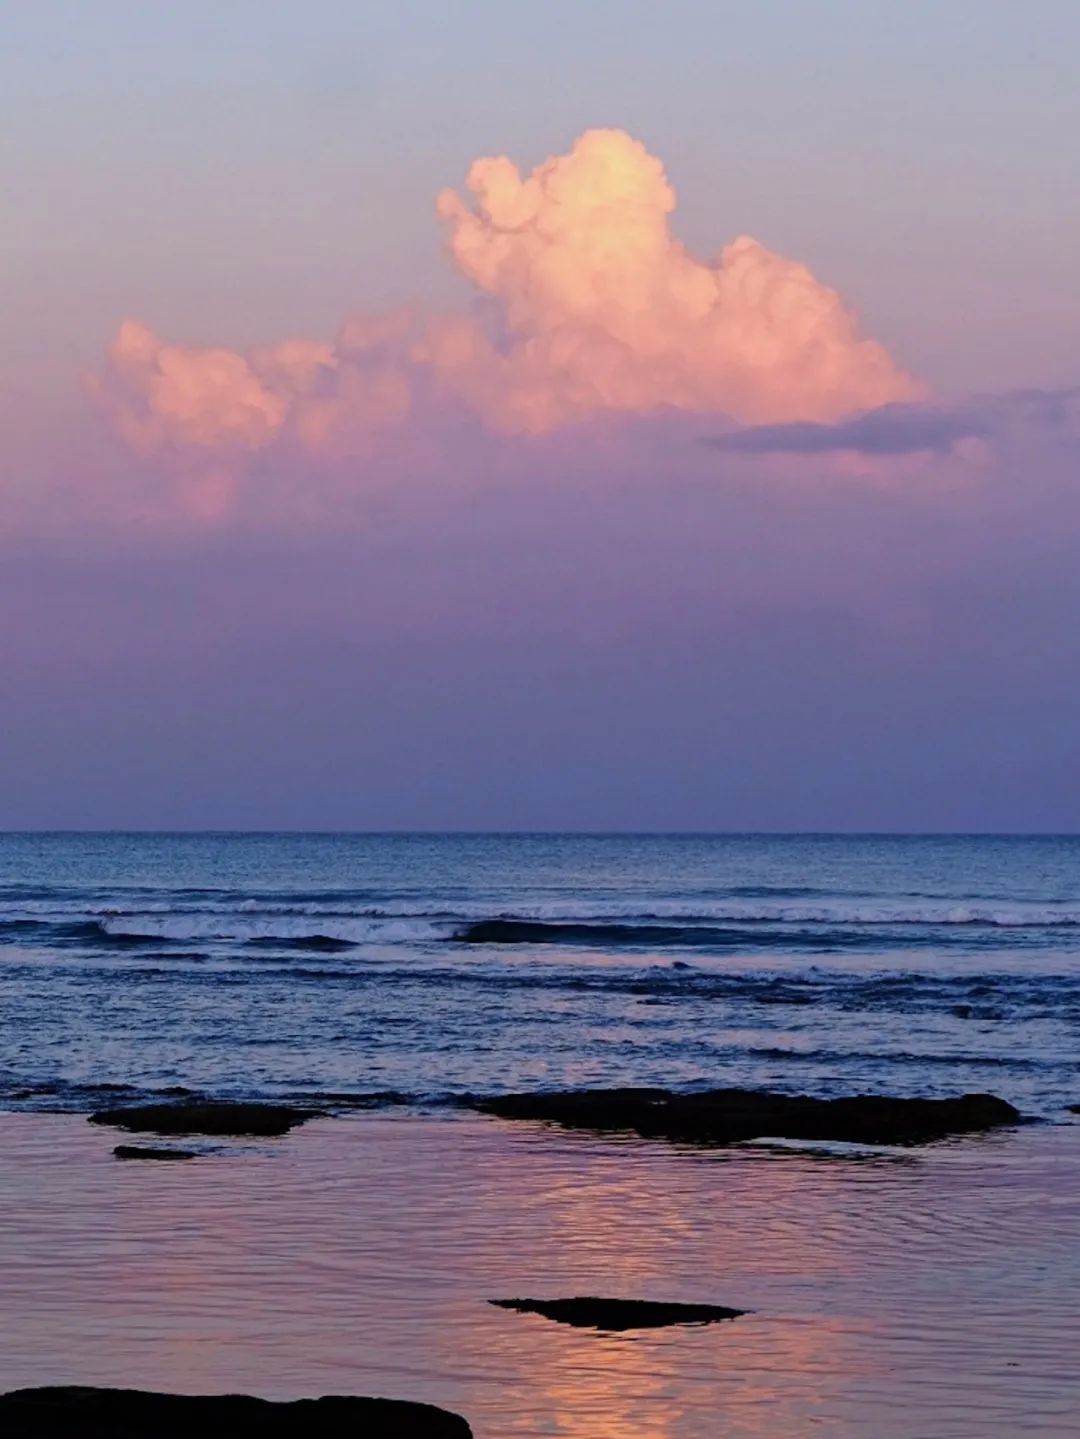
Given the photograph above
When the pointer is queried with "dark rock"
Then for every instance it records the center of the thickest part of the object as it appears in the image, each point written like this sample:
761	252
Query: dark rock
1073	1108
205	1116
132	1414
730	1116
146	1151
619	1314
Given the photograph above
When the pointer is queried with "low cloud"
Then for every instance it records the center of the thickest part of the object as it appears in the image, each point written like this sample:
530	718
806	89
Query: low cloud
323	395
593	308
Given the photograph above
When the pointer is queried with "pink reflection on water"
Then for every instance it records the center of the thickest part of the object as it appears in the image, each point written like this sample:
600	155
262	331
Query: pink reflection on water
923	1294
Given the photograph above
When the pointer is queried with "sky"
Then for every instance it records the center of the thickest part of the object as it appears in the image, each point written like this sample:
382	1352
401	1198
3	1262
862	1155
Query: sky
470	415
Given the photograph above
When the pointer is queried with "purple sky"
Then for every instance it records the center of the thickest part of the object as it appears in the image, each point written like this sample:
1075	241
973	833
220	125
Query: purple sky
561	507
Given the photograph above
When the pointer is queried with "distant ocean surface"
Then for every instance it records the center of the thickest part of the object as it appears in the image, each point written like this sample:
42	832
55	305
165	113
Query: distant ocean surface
433	965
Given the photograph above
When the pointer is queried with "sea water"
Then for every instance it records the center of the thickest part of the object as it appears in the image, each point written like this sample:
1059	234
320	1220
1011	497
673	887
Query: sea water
903	1294
422	966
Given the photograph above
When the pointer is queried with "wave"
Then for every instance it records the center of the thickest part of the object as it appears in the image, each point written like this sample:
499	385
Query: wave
841	913
271	931
739	905
73	932
655	936
793	925
750	935
147	932
327	943
59	1095
523	931
950	1060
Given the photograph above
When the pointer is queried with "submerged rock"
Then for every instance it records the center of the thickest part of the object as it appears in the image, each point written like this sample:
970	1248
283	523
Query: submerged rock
205	1116
729	1116
78	1413
619	1314
146	1151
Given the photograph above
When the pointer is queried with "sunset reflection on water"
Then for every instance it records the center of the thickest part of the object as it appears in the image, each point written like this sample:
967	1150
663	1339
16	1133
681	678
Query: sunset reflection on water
928	1293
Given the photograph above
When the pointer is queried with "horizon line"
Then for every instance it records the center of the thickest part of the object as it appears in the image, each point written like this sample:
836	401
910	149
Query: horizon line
509	833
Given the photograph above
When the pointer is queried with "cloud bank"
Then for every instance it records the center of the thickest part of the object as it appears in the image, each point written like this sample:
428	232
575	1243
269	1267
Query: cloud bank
589	307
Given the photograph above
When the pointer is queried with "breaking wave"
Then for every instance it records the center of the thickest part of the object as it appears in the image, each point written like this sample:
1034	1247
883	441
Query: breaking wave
330	925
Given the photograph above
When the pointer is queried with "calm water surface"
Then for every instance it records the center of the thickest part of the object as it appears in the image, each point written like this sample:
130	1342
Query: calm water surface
929	1295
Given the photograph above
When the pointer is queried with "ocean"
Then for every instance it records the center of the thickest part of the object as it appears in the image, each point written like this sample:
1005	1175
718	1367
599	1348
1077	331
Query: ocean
925	1293
419	967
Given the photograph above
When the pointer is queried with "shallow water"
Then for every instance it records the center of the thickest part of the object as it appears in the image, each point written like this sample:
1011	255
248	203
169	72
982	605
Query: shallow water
278	964
929	1294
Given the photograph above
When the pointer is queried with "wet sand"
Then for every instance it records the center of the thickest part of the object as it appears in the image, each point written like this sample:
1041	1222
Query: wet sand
927	1293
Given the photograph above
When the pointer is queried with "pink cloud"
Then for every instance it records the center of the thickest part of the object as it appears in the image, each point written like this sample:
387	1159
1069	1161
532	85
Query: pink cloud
605	310
180	397
600	310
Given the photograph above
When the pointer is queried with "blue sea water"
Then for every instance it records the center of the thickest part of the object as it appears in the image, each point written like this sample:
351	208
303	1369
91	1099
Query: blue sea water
433	965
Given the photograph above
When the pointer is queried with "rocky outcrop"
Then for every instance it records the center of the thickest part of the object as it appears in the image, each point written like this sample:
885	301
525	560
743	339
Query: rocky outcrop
617	1315
133	1414
205	1116
729	1116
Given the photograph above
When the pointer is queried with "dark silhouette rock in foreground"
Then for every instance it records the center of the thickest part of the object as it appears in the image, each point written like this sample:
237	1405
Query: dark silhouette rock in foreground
146	1151
730	1116
205	1116
133	1414
619	1314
